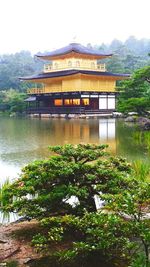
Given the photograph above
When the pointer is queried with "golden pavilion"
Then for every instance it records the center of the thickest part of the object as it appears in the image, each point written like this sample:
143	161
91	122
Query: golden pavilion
74	81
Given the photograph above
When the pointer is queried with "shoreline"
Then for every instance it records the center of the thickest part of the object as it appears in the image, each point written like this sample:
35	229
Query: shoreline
14	245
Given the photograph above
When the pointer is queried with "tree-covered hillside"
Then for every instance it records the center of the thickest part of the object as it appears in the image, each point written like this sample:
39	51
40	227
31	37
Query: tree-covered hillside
14	66
127	56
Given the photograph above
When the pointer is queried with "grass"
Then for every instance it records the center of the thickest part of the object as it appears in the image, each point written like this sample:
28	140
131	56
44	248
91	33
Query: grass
5	217
12	264
139	261
142	170
142	138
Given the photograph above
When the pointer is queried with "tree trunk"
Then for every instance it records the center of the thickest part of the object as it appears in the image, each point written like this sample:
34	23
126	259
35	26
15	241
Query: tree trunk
89	204
146	253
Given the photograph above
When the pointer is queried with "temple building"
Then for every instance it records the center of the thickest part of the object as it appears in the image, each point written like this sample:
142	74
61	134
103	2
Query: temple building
74	81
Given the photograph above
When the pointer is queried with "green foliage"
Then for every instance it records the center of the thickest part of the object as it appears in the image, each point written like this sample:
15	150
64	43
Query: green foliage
93	232
76	172
14	66
115	64
12	101
141	170
61	192
143	74
134	205
135	93
12	264
139	105
4	216
139	261
128	56
142	138
3	188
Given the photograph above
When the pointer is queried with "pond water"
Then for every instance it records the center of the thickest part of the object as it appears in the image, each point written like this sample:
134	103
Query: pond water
25	139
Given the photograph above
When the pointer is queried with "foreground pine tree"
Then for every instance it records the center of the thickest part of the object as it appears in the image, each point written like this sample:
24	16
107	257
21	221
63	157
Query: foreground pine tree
63	193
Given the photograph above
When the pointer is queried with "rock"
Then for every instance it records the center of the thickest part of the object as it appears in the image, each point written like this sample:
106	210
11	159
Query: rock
13	114
9	252
82	116
130	119
117	114
144	123
146	126
27	260
23	219
3	241
18	248
143	120
132	113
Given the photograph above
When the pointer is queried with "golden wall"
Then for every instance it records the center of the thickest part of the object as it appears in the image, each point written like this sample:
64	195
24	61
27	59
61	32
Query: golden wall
98	85
53	87
78	84
71	85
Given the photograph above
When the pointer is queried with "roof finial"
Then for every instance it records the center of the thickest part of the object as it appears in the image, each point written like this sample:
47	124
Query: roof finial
74	38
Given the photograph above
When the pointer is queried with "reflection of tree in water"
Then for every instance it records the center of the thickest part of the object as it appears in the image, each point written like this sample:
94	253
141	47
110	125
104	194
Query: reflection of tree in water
131	141
143	138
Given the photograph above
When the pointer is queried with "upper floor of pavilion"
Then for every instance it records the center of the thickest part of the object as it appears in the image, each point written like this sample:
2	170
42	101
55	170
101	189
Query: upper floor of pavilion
74	56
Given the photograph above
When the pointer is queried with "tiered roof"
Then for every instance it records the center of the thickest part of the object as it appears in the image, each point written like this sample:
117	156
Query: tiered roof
73	49
63	73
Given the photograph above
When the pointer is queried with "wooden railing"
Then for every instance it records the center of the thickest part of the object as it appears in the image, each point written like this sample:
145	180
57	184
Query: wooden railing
36	91
74	65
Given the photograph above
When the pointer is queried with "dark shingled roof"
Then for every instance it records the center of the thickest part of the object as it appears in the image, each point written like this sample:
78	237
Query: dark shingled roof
72	72
74	47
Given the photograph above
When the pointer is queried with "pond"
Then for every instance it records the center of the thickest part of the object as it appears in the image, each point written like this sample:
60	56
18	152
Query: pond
25	139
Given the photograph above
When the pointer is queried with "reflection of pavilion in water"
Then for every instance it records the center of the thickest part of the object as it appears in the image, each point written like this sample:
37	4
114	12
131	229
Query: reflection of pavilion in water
86	131
107	133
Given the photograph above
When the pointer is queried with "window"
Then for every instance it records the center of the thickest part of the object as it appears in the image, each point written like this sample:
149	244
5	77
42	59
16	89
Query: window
56	65
72	102
76	102
69	64
111	102
68	102
85	101
93	65
47	67
103	102
58	102
77	63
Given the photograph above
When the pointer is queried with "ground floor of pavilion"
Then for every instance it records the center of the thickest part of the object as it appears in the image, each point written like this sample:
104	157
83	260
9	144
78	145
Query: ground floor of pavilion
71	103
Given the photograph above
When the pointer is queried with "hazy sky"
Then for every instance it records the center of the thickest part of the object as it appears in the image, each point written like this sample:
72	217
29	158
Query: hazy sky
39	25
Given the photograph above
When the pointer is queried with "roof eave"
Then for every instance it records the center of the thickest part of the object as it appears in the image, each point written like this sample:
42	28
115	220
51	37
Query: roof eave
57	56
60	74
